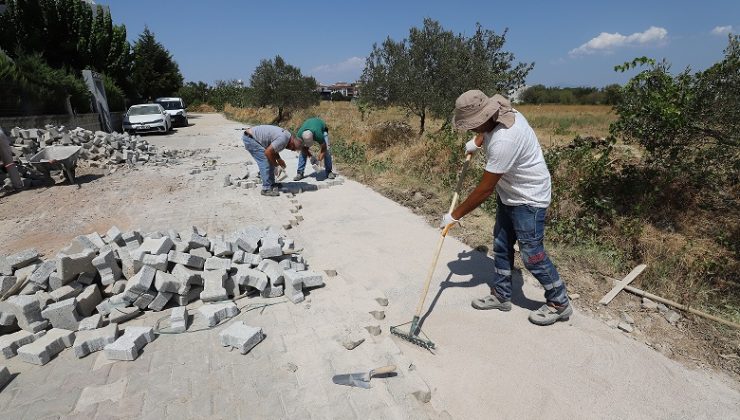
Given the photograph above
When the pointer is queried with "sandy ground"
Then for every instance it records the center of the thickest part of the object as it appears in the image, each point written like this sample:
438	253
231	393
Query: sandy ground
488	364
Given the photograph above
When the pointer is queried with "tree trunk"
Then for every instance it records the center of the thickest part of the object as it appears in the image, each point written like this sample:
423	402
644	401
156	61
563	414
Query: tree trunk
279	117
422	119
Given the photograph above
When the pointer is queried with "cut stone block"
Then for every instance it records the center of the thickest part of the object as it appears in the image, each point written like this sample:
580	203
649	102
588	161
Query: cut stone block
221	248
115	288
63	314
307	278
27	311
247	244
128	346
70	266
23	258
114	235
216	263
231	286
90	323
140	283
65	292
273	271
271	247
241	336
202	253
108	268
143	301
96	240
40	276
160	301
179	319
186	277
132	239
6	282
181	246
88	300
213	286
246	276
24	273
272	291
86	279
188	260
214	313
90	341
158	246
121	315
10	343
128	266
157	261
198	241
293	287
44	348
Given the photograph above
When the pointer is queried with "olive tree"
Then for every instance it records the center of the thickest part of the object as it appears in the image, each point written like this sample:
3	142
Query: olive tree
279	84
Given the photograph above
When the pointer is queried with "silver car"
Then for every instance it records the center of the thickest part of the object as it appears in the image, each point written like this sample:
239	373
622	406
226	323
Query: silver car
147	118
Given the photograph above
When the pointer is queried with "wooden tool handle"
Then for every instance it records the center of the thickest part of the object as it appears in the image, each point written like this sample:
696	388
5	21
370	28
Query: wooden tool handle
382	370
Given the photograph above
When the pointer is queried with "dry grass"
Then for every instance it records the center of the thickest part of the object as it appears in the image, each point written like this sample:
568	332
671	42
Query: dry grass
202	108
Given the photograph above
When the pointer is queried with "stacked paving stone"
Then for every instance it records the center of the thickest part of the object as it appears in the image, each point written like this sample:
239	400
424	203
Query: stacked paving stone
78	298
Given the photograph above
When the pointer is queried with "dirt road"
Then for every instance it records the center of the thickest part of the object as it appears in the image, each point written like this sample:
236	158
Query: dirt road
488	364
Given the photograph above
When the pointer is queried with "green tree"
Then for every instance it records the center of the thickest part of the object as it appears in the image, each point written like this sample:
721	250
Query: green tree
426	72
194	93
277	83
154	72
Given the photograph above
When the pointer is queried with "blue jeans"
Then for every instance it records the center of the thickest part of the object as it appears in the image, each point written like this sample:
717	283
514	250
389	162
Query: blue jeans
327	158
527	225
267	172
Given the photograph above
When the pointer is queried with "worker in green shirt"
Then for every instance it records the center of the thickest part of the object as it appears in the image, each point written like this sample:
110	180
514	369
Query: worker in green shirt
314	130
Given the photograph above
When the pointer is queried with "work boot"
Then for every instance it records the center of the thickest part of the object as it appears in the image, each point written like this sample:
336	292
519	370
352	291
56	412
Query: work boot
270	193
550	314
331	175
491	302
299	176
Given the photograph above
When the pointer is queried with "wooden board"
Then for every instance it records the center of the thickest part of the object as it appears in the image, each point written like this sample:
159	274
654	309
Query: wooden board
624	282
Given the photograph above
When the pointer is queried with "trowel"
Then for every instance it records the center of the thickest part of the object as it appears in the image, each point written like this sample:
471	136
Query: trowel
361	379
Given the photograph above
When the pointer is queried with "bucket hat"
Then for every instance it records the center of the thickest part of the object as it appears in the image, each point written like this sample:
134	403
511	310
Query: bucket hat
473	108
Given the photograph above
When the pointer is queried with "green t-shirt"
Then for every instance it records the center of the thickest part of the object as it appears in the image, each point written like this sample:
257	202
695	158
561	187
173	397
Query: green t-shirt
315	125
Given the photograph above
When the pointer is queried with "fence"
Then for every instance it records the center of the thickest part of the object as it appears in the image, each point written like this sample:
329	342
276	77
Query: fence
87	121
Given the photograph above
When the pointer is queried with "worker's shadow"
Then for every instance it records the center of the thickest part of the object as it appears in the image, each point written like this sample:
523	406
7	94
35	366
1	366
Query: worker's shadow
480	267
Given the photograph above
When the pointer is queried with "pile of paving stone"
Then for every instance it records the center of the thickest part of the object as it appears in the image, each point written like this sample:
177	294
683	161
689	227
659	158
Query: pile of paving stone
78	298
98	148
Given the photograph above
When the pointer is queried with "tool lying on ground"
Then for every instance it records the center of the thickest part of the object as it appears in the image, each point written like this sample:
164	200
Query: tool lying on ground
361	379
413	333
280	173
624	285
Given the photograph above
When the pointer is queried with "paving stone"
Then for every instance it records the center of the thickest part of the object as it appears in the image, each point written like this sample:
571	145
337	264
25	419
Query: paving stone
202	253
115	288
86	279
90	323
247	244
23	258
6	282
7	318
24	273
40	276
27	311
186	277
179	319
145	299
241	336
88	300
140	283
108	268
216	263
181	246
128	267
252	259
90	341
198	241
246	276
231	286
67	291
157	246
10	343
221	248
159	262
132	239
272	291
63	314
213	286
188	260
114	235
270	247
214	313
272	270
307	278
121	315
294	286
96	240
44	348
160	301
166	282
70	266
128	346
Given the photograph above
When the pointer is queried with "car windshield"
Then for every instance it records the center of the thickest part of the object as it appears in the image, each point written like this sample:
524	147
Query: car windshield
171	105
144	110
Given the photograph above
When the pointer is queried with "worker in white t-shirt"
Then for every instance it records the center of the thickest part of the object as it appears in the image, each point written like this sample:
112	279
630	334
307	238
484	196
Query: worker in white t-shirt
516	170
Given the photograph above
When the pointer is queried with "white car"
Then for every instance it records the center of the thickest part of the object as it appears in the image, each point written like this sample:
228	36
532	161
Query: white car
176	108
147	118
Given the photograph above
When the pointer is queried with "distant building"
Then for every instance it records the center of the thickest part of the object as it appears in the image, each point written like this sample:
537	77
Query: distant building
348	90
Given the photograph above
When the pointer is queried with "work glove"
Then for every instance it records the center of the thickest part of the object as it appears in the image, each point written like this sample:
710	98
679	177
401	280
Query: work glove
447	219
471	147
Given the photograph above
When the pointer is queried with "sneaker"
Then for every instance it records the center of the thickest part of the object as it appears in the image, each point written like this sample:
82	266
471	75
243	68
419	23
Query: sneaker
331	175
548	315
299	176
491	302
270	193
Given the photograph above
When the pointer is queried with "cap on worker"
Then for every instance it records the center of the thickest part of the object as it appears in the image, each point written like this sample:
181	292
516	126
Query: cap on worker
307	137
473	108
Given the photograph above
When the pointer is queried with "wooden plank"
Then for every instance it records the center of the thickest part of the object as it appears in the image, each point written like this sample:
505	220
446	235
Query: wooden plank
622	283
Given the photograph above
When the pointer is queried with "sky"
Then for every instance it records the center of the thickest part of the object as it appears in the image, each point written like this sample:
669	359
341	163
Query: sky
572	43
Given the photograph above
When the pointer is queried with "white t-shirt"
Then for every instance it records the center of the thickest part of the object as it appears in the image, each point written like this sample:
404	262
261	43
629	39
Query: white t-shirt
516	153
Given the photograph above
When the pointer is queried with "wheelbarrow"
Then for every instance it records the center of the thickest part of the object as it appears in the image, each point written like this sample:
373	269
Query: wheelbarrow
55	158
